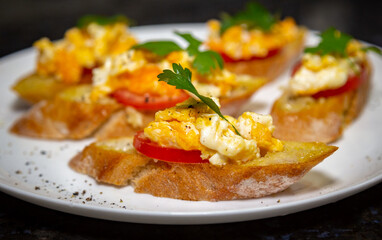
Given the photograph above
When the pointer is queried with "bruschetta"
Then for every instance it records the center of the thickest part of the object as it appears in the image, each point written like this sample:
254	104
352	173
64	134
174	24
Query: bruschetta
189	152
327	91
255	42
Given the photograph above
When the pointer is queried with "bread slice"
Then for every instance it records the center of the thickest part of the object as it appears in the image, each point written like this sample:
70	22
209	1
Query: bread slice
70	115
119	124
271	67
324	119
116	162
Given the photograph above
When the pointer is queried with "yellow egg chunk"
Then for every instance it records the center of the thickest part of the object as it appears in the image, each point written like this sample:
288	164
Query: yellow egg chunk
238	42
192	125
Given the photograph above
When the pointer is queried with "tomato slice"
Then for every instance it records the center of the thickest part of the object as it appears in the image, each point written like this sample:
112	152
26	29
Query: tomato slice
352	83
228	59
152	150
148	101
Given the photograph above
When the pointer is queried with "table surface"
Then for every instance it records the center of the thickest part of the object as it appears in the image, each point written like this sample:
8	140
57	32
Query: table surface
356	217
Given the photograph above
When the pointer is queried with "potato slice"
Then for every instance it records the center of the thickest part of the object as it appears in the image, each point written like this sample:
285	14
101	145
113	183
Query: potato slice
34	88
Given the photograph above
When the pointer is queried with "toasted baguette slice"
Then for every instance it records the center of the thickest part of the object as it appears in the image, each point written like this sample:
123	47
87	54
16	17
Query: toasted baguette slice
70	115
116	162
271	67
324	119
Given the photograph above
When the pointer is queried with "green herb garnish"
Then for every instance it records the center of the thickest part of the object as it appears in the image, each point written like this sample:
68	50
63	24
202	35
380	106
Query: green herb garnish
253	16
204	61
161	48
181	79
332	42
335	42
372	49
101	20
193	43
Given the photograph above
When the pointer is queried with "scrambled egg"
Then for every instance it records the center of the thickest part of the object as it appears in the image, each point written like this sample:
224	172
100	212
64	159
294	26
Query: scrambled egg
319	73
192	125
240	43
137	70
84	48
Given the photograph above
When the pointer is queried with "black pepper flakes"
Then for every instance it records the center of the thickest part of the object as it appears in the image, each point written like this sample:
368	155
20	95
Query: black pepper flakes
36	188
75	194
18	172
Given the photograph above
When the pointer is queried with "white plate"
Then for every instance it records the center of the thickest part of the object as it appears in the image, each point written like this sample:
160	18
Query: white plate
37	171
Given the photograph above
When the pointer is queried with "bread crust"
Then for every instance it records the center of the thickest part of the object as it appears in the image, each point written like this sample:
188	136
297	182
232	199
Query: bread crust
322	119
64	117
118	126
270	174
271	67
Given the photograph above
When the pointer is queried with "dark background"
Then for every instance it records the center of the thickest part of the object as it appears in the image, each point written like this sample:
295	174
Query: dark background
24	21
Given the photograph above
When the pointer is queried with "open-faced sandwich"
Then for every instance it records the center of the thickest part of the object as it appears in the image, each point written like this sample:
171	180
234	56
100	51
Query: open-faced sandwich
327	90
125	91
193	152
70	61
255	42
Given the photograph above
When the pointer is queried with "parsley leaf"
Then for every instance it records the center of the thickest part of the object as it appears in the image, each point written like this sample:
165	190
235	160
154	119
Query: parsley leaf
181	79
161	48
207	60
373	49
332	42
204	60
253	16
101	20
193	43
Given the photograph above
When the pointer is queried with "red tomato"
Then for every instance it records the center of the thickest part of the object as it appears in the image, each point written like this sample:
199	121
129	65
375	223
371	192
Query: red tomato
352	83
147	101
152	150
228	59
